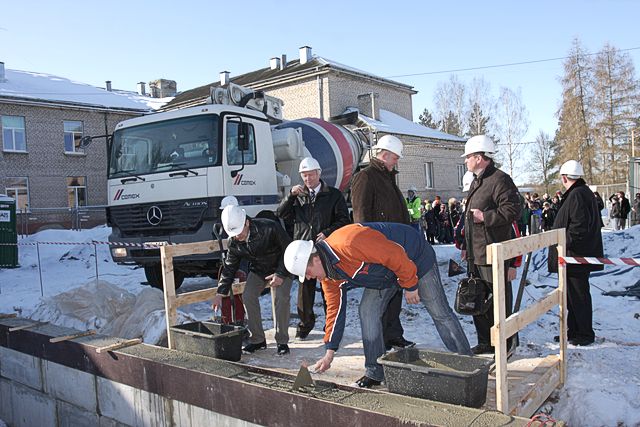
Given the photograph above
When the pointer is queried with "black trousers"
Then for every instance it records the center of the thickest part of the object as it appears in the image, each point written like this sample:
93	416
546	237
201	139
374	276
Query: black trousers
483	323
580	310
391	326
306	299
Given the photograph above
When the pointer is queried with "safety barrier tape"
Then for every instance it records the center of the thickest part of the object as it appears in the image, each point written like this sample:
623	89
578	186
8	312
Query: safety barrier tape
138	245
598	261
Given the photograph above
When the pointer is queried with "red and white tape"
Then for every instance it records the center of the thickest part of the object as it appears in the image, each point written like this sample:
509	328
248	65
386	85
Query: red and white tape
598	261
136	245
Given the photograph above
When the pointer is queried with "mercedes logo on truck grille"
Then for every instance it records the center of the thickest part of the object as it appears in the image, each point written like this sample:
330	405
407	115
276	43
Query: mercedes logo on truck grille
154	215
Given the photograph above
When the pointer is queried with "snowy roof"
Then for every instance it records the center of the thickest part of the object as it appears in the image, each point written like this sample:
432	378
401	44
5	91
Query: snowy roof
392	123
50	88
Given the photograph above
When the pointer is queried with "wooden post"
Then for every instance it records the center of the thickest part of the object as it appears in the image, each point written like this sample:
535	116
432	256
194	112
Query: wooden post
171	316
273	306
498	337
562	287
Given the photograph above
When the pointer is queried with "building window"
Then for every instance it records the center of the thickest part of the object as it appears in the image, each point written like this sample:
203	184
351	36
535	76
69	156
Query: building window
461	172
428	174
234	156
76	191
72	136
13	134
18	189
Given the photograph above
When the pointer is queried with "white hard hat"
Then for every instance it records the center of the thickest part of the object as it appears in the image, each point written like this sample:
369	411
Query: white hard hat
228	201
412	188
572	169
467	179
480	144
296	257
390	143
233	218
309	164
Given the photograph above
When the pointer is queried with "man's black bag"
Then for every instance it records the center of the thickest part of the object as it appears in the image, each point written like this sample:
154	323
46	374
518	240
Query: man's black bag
473	297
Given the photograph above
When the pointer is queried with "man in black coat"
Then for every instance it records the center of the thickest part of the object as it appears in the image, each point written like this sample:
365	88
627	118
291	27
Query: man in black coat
625	209
316	210
493	205
580	215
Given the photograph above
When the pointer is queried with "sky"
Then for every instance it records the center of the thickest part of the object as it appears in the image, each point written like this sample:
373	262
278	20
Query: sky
191	42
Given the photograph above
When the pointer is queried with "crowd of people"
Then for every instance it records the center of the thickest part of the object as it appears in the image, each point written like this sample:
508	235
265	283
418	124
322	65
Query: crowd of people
387	251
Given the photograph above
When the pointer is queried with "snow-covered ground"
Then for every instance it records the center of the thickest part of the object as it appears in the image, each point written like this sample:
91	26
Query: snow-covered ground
603	385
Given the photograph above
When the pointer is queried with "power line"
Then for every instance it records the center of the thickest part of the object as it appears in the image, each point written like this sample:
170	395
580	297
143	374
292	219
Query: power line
510	64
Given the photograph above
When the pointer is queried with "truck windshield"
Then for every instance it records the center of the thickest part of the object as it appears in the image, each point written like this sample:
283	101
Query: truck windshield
189	142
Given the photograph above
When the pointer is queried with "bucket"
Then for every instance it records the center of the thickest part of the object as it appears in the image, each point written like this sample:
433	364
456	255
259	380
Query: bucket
209	339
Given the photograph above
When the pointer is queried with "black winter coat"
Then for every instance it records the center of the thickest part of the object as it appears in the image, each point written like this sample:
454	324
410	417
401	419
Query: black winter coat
495	194
375	197
580	215
327	214
264	249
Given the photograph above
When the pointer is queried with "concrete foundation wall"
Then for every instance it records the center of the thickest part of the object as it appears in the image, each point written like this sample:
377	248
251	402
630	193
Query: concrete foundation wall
37	392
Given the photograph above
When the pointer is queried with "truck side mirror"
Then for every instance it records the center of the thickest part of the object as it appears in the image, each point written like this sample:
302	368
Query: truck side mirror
243	137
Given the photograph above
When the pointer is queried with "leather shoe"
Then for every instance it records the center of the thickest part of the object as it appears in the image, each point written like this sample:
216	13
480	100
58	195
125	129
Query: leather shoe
252	348
581	341
366	382
399	342
482	348
283	349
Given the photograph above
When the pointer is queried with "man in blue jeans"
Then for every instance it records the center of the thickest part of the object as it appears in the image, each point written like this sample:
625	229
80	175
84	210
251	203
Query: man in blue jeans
378	257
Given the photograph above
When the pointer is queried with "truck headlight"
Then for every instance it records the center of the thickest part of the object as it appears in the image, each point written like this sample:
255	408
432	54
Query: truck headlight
119	252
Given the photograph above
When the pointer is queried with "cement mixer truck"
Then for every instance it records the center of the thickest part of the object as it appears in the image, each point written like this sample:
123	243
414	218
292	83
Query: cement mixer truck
169	171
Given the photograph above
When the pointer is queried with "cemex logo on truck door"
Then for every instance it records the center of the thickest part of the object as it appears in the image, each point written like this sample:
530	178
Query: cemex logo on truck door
120	196
240	181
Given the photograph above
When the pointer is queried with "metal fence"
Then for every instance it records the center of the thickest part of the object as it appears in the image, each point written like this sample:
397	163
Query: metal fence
31	220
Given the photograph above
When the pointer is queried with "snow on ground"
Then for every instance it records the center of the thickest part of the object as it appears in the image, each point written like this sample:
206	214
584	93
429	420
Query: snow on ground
603	385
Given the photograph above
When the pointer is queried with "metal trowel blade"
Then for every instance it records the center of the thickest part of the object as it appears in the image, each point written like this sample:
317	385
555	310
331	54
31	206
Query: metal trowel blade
303	378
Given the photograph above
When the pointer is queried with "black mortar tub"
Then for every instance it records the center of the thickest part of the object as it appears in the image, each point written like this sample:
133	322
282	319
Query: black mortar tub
209	339
439	376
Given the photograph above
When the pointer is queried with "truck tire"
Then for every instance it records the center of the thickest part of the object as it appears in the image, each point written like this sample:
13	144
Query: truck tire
153	272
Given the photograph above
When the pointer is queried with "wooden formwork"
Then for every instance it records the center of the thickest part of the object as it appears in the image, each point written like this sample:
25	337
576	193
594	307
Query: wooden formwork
550	372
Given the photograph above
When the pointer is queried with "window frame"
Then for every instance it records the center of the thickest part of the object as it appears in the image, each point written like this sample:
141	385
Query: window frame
16	189
461	171
429	175
69	181
75	151
13	134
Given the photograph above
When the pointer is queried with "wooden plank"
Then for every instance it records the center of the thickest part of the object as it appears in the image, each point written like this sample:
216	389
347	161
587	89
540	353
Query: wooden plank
499	341
521	319
8	315
27	326
119	345
535	395
194	248
171	316
562	288
195	296
513	248
72	336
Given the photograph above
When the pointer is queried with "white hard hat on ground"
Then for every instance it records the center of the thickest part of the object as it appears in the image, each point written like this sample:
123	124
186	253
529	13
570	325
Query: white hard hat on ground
296	257
467	179
233	219
572	168
228	201
390	143
479	144
309	164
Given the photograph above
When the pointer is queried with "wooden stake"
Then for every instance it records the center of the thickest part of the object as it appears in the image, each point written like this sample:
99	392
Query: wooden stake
8	315
118	345
72	336
27	326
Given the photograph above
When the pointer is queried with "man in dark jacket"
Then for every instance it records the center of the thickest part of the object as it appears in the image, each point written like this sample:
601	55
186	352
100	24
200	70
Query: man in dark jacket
262	242
492	207
580	216
625	209
316	210
375	197
635	211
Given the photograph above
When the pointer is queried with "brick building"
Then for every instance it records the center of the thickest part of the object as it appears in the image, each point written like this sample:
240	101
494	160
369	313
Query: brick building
42	119
313	86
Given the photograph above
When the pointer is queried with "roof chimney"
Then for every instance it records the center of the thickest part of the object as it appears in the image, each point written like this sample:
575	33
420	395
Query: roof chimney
283	61
274	63
224	78
305	54
2	77
108	82
141	89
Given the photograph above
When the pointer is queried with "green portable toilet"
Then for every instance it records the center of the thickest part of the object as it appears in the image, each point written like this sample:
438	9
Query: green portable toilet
8	232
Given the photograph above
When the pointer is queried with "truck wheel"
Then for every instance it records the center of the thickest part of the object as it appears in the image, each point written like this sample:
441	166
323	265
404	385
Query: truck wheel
153	272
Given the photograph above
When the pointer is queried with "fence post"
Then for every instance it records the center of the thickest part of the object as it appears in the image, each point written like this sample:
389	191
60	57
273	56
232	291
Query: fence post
562	287
40	269
499	340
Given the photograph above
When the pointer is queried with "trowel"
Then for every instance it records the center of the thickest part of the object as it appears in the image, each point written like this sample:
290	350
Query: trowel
303	378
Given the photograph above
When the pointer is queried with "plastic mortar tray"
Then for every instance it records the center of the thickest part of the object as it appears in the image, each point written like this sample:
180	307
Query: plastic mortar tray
209	339
439	376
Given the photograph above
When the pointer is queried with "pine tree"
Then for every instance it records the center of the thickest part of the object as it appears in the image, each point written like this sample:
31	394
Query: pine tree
450	124
477	122
426	119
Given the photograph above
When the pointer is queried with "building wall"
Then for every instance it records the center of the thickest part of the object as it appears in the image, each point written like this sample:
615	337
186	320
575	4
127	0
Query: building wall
301	98
46	164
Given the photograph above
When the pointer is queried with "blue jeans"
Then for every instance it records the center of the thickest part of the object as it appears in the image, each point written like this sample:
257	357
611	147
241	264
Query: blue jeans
435	301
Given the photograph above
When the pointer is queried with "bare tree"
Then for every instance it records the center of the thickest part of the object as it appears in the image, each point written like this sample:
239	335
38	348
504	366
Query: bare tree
480	105
543	164
448	98
512	123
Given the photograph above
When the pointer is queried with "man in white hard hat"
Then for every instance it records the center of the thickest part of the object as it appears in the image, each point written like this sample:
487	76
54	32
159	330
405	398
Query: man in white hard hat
492	207
580	215
316	210
262	243
381	258
413	206
228	201
375	197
